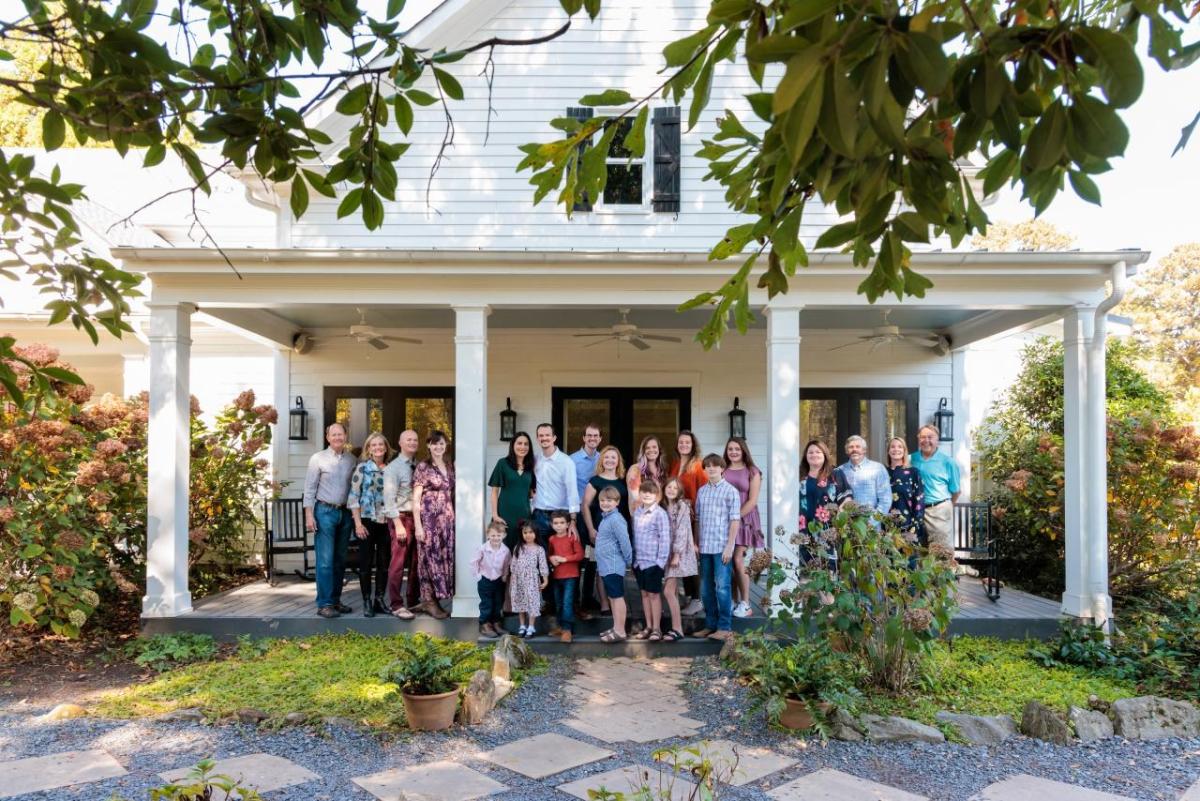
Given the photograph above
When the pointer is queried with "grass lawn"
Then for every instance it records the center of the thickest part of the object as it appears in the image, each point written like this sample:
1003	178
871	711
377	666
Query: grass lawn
328	675
982	676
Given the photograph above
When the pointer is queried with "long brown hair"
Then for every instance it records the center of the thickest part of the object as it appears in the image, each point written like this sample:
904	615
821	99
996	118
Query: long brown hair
747	459
694	456
659	469
826	467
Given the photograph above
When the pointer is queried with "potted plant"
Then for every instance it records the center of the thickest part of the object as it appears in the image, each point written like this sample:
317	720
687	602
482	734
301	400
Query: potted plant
429	679
798	683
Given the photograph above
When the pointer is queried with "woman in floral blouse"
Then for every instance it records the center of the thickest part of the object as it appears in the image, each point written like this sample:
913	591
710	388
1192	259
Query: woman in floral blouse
822	489
908	492
365	503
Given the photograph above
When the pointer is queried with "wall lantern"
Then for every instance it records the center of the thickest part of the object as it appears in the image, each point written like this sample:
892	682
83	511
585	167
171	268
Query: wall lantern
508	422
298	421
943	418
737	421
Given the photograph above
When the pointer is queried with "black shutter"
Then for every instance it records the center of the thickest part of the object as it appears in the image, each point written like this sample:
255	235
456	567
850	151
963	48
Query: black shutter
666	158
584	203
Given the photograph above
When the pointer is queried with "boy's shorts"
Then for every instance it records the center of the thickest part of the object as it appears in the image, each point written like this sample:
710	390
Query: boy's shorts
650	579
614	585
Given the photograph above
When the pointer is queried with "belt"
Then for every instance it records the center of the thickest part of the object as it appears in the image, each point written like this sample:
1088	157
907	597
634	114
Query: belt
938	503
334	505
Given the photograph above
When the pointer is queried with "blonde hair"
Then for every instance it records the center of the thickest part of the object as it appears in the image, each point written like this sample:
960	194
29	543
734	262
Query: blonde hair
681	496
620	460
907	459
365	455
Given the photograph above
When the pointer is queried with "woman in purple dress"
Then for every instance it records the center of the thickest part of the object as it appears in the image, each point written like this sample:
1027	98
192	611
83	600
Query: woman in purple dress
433	502
747	479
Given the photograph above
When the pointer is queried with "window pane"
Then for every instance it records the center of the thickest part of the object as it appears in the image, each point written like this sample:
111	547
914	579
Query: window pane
879	421
818	420
658	417
624	185
577	414
424	415
618	149
359	416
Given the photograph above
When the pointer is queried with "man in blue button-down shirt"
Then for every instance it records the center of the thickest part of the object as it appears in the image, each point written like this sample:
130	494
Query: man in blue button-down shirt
585	458
869	481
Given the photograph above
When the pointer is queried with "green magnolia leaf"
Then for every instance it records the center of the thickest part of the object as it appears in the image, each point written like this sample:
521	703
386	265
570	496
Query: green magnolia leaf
320	183
60	374
802	12
1048	140
838	111
1098	128
1085	187
635	139
299	197
404	113
700	93
778	47
154	155
350	202
802	70
420	98
355	101
609	97
372	210
54	130
394	7
449	84
1115	60
680	51
923	61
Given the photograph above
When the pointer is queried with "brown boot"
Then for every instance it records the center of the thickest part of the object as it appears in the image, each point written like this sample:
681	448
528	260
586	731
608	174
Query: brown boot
566	636
435	610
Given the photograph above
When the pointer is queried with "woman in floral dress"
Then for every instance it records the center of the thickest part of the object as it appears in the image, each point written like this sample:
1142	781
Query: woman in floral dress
821	488
433	500
908	492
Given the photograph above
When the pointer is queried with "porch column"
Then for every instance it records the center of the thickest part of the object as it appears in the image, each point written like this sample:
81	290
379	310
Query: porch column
1096	473
167	461
960	401
783	402
1077	334
281	369
470	449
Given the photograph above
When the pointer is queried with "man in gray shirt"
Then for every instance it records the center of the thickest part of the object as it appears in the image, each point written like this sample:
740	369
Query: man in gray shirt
397	505
326	485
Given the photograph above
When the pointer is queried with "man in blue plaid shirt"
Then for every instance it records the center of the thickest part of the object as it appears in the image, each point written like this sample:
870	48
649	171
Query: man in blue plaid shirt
719	511
869	481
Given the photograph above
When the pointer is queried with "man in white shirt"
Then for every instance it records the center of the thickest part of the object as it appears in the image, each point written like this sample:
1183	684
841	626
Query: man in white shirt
557	484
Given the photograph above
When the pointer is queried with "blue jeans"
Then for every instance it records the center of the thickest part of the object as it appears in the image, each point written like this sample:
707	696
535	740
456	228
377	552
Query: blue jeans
564	602
334	527
491	600
715	577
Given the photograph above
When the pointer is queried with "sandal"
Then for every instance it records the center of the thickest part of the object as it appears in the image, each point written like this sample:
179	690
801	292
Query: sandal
611	637
655	635
644	634
674	635
606	631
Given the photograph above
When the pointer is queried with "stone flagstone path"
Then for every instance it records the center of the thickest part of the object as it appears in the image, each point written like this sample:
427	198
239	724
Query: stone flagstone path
65	769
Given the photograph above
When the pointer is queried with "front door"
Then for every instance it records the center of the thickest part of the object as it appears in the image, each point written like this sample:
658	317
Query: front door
876	415
626	415
392	410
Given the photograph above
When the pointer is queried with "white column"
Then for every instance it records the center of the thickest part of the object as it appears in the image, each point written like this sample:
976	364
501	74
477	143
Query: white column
470	447
281	363
783	402
960	402
1096	475
1077	333
167	460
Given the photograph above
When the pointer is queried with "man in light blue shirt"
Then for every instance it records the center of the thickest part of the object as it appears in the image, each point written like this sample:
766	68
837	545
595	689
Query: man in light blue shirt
869	481
939	475
585	458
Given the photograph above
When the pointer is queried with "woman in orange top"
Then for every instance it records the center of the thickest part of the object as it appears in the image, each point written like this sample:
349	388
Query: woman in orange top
689	469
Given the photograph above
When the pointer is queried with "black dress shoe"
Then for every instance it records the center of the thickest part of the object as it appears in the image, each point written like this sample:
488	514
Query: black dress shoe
342	608
381	607
328	612
368	609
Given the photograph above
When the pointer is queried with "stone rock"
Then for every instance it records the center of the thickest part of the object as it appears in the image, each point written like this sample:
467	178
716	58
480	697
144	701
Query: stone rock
249	716
479	699
335	722
503	687
63	712
1042	722
295	719
189	715
1152	718
500	667
727	648
981	729
515	651
894	729
1089	724
843	726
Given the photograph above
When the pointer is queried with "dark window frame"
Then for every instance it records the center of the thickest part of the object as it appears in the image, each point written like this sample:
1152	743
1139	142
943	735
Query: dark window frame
621	409
848	398
394	399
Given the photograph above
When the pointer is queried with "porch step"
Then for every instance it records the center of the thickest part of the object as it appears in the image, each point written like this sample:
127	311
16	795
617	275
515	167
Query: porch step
589	645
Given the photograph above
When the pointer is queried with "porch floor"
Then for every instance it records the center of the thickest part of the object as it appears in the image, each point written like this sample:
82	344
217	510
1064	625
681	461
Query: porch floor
287	610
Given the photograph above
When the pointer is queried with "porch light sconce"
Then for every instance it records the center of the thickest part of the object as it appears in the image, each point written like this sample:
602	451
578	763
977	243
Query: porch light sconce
298	421
943	418
737	421
508	422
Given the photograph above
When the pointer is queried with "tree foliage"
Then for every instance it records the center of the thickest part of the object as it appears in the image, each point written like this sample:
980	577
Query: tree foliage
877	104
1165	303
1036	234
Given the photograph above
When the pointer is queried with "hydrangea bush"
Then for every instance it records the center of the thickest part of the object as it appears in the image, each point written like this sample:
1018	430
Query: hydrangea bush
73	492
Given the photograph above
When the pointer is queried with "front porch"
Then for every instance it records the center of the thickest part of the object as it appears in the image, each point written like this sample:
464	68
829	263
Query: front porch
503	325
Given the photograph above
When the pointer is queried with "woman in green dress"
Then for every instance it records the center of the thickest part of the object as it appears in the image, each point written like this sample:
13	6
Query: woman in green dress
513	483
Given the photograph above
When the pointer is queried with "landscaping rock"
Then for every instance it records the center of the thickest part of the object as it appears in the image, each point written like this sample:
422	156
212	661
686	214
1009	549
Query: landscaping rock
727	647
295	719
1152	718
189	715
500	667
251	717
503	687
335	722
1042	722
515	650
1089	724
843	726
980	729
479	699
894	729
63	712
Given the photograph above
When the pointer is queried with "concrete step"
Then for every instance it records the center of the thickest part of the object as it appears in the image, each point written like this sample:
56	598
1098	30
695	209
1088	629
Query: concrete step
589	645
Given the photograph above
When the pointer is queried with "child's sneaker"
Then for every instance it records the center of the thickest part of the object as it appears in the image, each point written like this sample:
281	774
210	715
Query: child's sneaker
529	632
694	608
742	610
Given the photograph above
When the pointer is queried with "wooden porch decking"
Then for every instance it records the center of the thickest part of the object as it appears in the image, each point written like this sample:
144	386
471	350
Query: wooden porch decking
287	610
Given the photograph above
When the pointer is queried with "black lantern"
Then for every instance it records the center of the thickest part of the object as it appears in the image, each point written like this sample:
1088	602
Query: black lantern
298	421
508	422
737	421
943	418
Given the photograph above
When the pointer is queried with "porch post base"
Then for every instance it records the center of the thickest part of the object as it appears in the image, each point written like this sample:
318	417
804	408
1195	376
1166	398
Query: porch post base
1077	606
167	605
465	605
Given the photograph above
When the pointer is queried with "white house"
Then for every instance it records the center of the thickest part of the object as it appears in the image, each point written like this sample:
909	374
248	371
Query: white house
498	292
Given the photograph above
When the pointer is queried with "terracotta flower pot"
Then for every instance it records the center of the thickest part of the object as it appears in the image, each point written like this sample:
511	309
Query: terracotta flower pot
797	715
430	712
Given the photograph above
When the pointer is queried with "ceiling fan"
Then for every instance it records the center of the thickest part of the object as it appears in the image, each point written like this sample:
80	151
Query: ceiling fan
625	331
363	333
887	333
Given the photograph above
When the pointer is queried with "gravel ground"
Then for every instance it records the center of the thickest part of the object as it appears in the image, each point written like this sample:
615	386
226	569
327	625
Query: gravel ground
1160	770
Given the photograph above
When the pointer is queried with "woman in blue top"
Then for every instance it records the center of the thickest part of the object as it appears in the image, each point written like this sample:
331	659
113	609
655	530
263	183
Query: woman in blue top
365	503
821	487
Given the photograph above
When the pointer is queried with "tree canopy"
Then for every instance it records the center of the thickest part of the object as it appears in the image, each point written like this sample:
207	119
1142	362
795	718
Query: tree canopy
877	104
1165	302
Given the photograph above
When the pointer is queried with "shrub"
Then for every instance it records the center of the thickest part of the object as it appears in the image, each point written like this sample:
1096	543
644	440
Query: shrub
165	651
886	602
1153	479
73	493
201	784
423	666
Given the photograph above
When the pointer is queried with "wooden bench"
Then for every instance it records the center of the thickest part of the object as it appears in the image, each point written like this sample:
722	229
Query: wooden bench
975	544
286	534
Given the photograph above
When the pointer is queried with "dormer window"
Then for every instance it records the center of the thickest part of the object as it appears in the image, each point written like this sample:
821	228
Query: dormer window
652	180
625	176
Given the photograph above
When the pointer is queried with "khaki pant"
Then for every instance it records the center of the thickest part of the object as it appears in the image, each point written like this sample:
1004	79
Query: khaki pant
939	524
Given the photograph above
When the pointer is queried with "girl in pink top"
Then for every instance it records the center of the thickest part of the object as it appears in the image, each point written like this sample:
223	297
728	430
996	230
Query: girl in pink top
747	479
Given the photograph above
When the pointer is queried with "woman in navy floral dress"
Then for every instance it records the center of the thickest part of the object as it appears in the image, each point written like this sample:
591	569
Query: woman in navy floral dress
908	492
821	488
433	501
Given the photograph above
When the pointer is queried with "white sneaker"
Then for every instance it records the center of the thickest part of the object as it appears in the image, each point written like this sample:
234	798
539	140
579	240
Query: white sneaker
742	610
694	608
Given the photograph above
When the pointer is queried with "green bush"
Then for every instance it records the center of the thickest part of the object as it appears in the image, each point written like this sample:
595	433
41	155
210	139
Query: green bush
201	784
1153	479
423	666
165	651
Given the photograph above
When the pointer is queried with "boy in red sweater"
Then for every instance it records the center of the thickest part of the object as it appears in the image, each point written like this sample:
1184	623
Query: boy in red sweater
565	555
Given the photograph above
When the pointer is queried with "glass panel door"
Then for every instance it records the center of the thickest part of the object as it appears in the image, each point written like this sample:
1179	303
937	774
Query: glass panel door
578	414
877	415
819	420
879	422
424	415
390	410
625	415
658	417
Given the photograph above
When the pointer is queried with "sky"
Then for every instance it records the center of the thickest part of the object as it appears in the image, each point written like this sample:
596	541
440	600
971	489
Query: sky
1151	199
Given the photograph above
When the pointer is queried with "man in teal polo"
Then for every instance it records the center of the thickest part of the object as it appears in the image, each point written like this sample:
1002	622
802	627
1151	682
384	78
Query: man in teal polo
939	475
